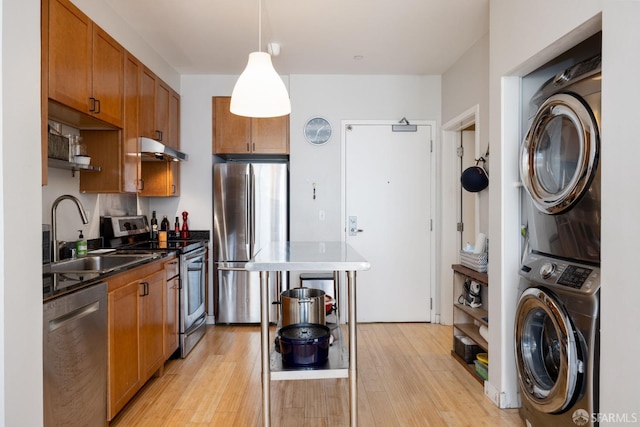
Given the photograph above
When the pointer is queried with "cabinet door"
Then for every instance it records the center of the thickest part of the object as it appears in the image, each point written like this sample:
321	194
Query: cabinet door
163	95
69	55
174	120
106	150
107	78
124	368
270	136
160	179
151	290
171	324
131	167
147	122
231	133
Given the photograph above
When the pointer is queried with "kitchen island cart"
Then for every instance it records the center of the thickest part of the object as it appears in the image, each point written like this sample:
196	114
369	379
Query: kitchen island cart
309	256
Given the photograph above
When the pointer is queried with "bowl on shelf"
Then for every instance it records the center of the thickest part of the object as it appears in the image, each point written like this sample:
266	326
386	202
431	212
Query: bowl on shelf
82	159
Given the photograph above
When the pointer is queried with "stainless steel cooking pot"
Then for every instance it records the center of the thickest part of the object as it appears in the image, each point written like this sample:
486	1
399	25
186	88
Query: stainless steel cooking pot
303	305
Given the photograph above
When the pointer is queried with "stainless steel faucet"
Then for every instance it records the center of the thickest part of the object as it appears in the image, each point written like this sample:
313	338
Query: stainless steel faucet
54	225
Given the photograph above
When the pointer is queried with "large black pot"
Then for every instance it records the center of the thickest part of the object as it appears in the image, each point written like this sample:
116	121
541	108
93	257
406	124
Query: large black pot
304	344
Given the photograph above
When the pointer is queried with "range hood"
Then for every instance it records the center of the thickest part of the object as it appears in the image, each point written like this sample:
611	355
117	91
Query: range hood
156	150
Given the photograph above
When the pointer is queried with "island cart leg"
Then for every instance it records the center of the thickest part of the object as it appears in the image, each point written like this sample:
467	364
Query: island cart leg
264	336
353	372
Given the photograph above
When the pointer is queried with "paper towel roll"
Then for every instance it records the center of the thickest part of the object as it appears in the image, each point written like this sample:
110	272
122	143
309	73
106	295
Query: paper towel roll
484	332
481	242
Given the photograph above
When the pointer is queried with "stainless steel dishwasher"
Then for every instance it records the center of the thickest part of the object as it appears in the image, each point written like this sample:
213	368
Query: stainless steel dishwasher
75	358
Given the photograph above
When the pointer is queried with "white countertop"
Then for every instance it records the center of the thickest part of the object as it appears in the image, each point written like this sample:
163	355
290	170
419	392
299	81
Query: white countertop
316	256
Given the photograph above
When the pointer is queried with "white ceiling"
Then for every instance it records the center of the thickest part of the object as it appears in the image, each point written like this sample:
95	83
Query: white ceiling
421	37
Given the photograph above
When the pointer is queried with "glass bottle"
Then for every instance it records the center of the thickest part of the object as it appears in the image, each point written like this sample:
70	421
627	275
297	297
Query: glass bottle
164	225
177	228
154	226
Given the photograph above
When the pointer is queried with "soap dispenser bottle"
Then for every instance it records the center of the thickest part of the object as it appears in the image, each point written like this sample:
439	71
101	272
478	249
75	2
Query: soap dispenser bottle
81	245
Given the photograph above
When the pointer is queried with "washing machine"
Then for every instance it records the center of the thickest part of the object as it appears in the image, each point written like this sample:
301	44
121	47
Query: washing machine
559	165
557	344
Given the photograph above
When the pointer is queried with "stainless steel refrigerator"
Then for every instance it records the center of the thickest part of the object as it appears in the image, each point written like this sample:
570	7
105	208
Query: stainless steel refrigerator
250	210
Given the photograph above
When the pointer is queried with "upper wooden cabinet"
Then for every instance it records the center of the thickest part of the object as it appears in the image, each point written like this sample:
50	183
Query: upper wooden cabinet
117	152
234	134
157	103
85	64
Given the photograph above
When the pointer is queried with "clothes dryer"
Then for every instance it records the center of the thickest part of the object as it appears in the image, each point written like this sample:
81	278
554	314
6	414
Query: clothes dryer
557	342
559	165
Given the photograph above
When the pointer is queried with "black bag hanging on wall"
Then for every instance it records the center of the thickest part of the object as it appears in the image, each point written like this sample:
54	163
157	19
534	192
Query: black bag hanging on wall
475	178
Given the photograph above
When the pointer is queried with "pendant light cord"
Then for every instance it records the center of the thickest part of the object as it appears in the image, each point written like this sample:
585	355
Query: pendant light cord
259	25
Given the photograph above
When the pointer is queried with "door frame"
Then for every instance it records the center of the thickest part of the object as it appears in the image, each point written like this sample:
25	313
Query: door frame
450	206
433	209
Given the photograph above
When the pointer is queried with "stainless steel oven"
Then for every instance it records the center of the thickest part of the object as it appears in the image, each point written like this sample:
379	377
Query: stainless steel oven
192	298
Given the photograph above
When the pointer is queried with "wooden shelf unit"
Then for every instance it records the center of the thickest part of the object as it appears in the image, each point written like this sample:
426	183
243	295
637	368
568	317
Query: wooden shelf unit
467	320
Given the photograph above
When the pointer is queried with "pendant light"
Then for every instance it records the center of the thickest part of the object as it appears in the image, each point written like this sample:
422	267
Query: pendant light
259	91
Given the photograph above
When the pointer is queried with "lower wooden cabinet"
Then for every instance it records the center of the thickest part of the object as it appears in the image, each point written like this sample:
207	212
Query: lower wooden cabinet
136	330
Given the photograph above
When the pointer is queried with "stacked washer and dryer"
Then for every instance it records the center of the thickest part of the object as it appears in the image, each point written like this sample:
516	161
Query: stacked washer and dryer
557	317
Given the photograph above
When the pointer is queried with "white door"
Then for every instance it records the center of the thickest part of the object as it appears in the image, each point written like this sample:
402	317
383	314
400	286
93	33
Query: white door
387	209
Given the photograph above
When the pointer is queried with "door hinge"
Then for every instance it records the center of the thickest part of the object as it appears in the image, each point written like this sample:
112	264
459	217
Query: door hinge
431	225
431	303
460	151
460	226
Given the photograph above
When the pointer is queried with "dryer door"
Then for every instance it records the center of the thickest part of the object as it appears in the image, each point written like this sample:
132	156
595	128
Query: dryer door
547	360
560	153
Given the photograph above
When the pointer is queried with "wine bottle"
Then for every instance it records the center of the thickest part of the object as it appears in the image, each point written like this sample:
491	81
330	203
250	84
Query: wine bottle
164	225
154	226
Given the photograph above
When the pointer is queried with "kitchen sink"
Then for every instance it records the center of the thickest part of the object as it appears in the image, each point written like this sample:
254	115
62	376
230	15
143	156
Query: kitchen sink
100	263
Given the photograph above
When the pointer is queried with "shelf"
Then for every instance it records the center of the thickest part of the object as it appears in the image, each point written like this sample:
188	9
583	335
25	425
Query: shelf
337	366
73	167
471	330
471	368
478	314
481	278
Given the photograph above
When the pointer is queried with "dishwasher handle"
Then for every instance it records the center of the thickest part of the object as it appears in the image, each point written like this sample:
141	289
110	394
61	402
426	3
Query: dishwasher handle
76	314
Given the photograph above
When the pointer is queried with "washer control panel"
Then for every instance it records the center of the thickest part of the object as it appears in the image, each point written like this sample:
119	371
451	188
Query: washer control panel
554	271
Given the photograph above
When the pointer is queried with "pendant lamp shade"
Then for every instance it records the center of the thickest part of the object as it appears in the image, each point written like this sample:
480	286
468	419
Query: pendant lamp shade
259	91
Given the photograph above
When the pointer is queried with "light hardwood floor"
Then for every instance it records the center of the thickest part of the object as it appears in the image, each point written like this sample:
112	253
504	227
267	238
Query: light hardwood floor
406	377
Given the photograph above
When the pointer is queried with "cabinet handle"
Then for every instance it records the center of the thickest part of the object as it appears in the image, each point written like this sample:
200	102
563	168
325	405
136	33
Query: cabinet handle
173	189
141	186
145	289
92	104
159	135
97	103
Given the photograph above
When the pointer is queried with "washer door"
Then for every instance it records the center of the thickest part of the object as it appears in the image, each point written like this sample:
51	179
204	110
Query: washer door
547	359
560	153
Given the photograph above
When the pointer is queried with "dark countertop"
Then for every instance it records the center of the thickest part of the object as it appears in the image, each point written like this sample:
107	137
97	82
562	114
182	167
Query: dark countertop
57	284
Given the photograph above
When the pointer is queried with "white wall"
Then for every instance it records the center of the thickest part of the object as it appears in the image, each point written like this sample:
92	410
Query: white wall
338	98
518	46
620	347
20	237
464	88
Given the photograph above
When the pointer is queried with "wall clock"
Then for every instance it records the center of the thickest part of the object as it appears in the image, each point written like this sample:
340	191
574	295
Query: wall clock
317	130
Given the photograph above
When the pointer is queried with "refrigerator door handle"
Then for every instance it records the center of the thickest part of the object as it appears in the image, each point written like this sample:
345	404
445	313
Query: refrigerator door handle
249	228
253	213
231	269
